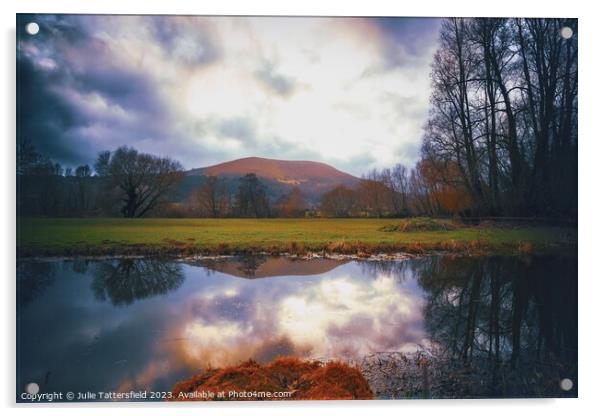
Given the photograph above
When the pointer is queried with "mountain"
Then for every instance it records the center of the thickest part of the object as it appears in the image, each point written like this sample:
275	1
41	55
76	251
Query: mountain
280	176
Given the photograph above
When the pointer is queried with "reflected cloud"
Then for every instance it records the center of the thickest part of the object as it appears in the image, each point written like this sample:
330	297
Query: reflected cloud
174	319
319	317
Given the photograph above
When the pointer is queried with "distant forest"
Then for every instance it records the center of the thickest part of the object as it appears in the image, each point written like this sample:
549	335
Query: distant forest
500	140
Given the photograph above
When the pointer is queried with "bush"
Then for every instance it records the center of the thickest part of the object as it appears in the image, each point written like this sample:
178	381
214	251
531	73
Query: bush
420	224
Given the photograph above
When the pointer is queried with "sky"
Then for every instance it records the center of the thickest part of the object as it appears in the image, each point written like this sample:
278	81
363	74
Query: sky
350	92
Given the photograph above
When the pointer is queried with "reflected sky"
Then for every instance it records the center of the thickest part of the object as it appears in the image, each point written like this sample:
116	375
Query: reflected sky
70	338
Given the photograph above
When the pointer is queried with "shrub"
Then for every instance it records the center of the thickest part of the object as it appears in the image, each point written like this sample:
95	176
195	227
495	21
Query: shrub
420	224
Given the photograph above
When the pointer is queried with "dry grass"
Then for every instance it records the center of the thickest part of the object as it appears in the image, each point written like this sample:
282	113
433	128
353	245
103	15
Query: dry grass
304	380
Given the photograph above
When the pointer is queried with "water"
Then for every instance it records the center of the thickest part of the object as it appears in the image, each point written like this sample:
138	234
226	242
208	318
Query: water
144	324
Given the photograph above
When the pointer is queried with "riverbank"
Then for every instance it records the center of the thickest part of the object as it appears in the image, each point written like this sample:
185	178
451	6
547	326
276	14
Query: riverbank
359	237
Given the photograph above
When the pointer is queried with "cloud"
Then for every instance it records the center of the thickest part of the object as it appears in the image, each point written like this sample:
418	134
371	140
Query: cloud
238	128
85	100
186	39
278	83
352	92
404	41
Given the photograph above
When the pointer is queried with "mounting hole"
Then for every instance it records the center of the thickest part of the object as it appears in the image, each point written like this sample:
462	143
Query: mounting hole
566	384
32	388
566	32
32	28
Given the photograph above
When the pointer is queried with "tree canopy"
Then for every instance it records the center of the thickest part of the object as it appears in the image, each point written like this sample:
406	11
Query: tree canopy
141	180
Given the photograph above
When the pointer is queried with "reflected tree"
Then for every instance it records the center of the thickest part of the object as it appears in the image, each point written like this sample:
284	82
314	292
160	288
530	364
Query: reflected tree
124	281
250	264
33	279
398	269
80	266
510	321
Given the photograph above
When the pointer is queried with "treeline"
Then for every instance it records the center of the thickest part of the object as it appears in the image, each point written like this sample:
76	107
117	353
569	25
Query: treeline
249	199
396	192
121	183
503	119
501	137
131	184
46	188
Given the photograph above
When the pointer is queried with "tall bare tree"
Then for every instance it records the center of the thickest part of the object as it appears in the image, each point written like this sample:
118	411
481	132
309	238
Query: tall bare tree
251	198
141	180
211	198
339	202
503	114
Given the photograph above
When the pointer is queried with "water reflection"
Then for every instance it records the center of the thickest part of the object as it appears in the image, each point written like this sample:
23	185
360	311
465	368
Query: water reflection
125	280
342	314
512	319
262	266
175	318
33	279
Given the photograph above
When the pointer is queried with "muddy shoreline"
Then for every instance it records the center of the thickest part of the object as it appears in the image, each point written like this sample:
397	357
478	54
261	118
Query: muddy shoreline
347	251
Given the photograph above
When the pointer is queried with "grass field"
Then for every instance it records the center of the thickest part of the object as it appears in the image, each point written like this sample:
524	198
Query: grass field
159	236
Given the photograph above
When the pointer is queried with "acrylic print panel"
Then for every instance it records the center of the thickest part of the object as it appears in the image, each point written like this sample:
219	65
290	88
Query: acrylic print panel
295	208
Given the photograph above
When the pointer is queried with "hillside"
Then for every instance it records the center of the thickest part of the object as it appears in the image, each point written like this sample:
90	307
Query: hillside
280	176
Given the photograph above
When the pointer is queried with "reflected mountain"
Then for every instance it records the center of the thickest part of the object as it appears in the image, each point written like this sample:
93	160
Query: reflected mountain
252	267
124	281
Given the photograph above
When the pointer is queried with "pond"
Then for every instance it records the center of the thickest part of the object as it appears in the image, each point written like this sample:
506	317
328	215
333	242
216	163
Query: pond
144	324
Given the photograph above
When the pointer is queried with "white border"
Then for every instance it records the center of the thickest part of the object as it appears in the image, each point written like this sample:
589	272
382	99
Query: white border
590	230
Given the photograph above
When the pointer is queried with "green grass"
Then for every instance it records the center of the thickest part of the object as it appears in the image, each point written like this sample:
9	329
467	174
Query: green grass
155	236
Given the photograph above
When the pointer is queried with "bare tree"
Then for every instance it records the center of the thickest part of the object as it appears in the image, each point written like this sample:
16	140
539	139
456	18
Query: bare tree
251	199
396	182
211	198
83	185
294	204
503	114
339	202
374	196
142	180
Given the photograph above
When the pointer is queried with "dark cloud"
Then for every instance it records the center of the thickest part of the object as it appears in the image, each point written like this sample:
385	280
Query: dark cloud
273	81
192	47
412	35
79	92
404	40
237	128
60	71
43	117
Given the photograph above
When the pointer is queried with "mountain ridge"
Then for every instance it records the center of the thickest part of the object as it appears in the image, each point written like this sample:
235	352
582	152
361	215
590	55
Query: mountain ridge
273	168
281	176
